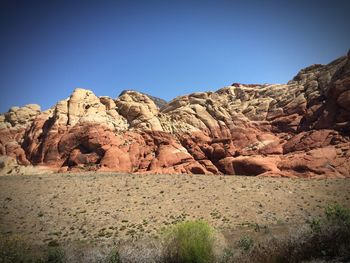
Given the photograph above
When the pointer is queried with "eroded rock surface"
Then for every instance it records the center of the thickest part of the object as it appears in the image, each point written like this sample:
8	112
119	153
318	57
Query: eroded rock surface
298	129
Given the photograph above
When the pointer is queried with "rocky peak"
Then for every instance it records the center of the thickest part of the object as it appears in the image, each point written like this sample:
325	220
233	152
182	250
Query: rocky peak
301	128
83	103
160	103
83	106
139	110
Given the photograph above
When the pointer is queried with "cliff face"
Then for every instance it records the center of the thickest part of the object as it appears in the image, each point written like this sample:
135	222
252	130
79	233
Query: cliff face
301	129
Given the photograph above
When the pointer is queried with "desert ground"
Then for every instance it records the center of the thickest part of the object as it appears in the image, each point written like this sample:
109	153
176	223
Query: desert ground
103	207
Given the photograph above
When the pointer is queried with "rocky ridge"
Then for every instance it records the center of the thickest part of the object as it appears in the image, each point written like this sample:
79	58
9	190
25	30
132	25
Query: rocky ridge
298	129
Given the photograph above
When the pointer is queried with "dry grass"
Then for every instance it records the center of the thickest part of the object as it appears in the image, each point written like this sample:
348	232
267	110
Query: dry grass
324	239
92	213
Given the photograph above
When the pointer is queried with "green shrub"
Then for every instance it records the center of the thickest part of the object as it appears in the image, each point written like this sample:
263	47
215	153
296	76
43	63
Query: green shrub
325	239
13	250
226	256
16	250
55	255
338	214
246	243
113	257
189	242
315	225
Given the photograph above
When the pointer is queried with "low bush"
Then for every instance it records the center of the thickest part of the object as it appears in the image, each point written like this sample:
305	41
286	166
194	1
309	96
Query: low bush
189	242
54	255
13	250
326	238
113	257
16	250
246	243
338	215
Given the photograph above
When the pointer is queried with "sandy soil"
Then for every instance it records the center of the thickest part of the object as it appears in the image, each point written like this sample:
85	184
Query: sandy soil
78	207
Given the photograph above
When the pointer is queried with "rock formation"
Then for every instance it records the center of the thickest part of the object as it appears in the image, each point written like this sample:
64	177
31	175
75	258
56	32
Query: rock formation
298	129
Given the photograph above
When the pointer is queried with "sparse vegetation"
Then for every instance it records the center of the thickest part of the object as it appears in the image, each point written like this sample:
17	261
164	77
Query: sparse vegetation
104	219
326	238
54	255
15	250
189	242
226	256
338	215
113	257
246	243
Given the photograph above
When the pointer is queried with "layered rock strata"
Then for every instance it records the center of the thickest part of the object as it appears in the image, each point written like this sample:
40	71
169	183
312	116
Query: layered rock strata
298	129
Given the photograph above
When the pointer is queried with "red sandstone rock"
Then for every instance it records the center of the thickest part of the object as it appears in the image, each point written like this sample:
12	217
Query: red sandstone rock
254	165
299	129
117	160
326	162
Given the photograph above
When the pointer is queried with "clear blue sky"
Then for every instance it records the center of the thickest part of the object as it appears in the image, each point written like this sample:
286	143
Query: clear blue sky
164	48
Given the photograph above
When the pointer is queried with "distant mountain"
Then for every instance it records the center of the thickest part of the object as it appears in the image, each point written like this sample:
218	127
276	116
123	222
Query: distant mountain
298	129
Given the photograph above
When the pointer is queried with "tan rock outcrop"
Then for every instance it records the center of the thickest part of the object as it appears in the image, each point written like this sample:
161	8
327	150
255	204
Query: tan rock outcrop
139	110
19	117
84	106
298	129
